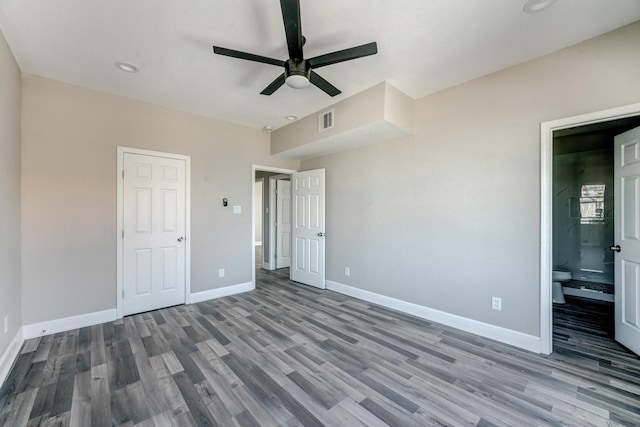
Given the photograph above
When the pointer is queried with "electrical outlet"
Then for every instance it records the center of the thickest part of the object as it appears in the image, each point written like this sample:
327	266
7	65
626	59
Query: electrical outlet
347	271
6	323
221	272
496	303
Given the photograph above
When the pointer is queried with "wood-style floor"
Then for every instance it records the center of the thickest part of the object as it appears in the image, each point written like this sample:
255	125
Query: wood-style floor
291	355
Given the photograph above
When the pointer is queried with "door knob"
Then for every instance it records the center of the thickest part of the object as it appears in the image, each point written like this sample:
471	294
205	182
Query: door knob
321	234
615	248
180	239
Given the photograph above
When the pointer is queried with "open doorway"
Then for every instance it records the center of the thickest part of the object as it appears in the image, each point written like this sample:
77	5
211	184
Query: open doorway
583	233
577	213
270	217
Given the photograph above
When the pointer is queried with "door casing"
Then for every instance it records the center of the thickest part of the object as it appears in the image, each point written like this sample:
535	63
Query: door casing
120	221
546	206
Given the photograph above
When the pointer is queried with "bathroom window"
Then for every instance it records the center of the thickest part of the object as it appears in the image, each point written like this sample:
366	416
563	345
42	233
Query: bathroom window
592	203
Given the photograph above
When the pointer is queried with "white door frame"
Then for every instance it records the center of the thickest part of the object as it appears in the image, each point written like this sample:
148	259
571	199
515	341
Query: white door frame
546	206
120	221
255	168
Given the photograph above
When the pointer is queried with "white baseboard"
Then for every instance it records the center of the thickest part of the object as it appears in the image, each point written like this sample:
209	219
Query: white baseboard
89	319
222	292
258	243
600	296
504	335
266	266
10	354
68	323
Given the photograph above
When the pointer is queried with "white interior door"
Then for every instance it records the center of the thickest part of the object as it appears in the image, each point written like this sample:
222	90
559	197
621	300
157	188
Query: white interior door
283	223
627	235
308	228
154	230
258	211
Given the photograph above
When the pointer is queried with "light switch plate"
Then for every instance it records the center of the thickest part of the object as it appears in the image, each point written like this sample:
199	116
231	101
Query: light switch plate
237	209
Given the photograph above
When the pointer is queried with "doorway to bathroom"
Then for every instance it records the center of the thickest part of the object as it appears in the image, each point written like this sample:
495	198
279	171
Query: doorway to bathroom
271	207
578	228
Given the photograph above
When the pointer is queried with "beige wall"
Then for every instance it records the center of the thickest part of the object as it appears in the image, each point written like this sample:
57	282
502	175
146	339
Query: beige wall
10	299
451	216
70	135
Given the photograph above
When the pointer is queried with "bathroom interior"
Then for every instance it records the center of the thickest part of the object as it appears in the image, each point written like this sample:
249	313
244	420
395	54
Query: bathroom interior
583	215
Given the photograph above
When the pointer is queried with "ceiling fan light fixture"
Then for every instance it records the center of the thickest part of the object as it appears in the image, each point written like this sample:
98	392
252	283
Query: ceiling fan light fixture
297	81
298	71
533	6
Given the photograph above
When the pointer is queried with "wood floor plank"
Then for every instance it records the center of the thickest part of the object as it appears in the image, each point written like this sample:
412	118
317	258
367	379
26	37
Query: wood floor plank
223	389
197	408
100	396
23	404
81	401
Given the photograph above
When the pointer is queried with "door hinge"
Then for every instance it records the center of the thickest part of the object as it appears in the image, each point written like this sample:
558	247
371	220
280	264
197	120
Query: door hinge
123	234
122	173
123	293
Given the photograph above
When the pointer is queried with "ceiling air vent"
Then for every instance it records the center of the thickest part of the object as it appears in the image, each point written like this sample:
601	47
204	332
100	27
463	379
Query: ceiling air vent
325	121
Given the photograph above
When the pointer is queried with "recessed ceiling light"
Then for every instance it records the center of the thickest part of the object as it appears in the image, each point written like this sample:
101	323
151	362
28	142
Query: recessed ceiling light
127	67
291	118
533	6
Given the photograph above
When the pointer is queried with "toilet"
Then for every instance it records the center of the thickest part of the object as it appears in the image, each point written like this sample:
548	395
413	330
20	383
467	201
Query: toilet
559	276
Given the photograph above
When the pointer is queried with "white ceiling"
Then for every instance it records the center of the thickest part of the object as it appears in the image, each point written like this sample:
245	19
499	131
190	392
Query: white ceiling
423	46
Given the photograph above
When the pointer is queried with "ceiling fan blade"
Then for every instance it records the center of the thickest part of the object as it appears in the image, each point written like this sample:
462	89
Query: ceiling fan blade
275	85
292	27
248	56
323	85
343	55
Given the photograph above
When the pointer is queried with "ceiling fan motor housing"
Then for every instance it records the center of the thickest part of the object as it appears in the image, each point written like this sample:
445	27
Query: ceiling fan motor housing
297	72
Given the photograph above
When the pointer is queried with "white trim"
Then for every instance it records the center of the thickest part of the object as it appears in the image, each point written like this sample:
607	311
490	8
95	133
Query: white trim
258	243
266	266
546	208
120	221
222	292
68	323
255	168
10	355
497	333
585	293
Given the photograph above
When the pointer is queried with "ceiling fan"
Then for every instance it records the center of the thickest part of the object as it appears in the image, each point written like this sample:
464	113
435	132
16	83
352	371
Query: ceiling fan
298	71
